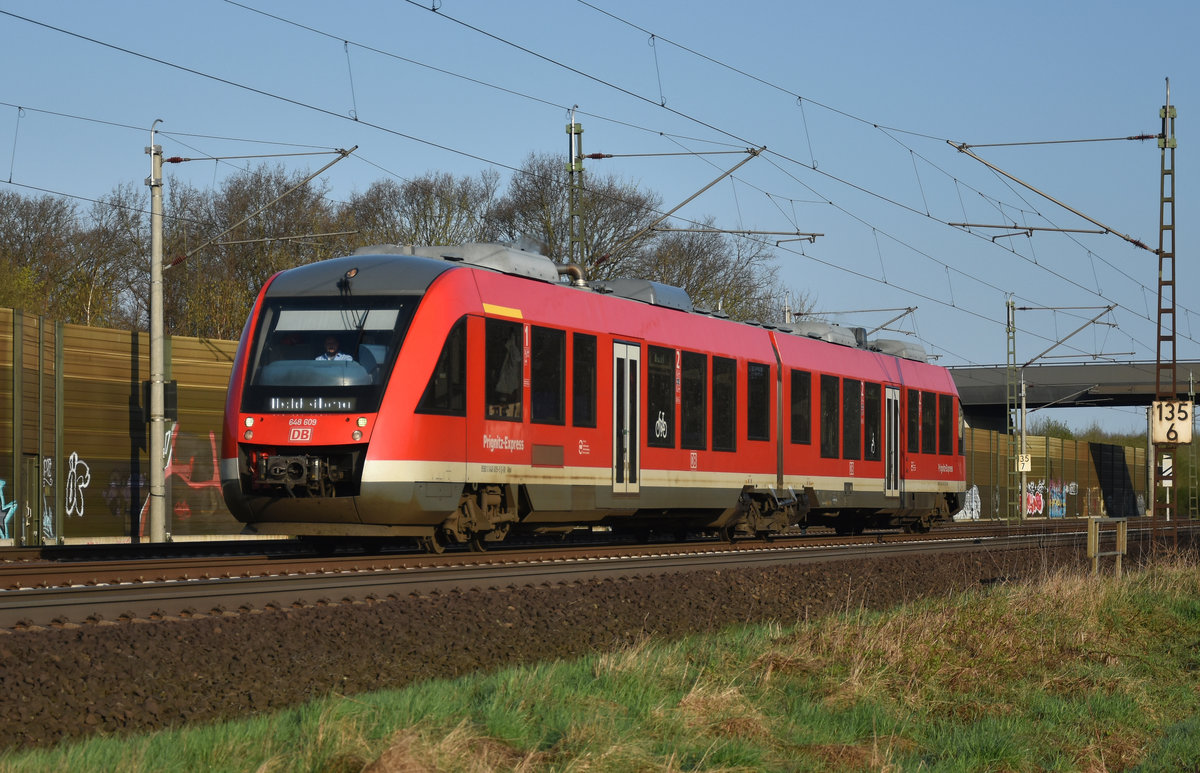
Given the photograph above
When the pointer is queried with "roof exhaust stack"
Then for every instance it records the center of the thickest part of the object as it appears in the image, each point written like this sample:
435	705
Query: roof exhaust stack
574	270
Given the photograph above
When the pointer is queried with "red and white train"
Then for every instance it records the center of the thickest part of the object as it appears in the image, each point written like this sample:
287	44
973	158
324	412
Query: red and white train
489	391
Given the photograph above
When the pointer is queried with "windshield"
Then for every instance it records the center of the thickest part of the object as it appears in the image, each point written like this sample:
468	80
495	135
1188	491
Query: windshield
319	355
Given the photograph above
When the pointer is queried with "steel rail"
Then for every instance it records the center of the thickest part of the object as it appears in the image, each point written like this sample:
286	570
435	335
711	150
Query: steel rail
219	595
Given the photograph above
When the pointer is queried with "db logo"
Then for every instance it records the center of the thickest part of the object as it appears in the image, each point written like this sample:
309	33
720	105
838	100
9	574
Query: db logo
300	435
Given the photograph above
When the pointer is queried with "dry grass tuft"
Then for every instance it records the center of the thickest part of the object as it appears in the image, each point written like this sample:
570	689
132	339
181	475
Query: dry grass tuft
1111	752
460	749
878	756
978	646
774	663
723	712
407	754
627	660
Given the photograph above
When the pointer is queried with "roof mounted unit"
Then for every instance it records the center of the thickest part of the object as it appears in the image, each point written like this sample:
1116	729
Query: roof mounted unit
897	348
718	313
825	331
654	293
497	257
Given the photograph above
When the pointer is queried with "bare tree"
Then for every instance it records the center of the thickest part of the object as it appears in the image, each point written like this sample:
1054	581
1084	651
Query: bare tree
111	275
735	273
36	249
536	208
94	269
210	293
432	209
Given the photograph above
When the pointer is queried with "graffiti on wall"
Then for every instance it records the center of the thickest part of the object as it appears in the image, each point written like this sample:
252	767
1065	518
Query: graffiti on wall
7	511
1048	498
121	487
79	476
47	508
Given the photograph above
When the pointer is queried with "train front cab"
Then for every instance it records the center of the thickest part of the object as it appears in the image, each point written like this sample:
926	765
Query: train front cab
313	373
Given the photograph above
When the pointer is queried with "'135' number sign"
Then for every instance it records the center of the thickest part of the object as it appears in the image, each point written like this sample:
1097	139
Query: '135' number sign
1171	421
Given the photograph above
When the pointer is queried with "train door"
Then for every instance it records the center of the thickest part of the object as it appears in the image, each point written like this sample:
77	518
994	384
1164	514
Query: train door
891	434
626	357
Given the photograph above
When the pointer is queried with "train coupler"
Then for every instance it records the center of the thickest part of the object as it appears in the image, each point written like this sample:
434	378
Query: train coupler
298	475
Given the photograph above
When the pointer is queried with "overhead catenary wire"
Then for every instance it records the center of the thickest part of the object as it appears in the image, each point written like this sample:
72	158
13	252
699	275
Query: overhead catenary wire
875	125
341	155
185	134
182	159
1135	242
807	166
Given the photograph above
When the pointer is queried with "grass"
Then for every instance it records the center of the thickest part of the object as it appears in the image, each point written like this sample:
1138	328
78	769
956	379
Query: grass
1069	674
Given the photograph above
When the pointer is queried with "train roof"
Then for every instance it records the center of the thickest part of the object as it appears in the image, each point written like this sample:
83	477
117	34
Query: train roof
375	267
357	274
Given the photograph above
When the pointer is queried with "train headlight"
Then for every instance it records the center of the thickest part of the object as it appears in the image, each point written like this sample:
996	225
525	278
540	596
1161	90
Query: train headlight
249	434
356	434
249	421
362	421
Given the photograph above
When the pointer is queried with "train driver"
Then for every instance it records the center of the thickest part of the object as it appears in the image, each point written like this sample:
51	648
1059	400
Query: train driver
331	350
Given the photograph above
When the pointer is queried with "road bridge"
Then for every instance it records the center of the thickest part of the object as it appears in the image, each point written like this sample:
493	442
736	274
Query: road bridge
1091	385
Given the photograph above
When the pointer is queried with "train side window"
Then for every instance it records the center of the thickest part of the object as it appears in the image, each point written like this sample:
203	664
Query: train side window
583	383
446	392
928	423
851	419
872	421
801	407
504	368
830	416
693	406
913	406
724	404
758	401
945	424
547	375
660	397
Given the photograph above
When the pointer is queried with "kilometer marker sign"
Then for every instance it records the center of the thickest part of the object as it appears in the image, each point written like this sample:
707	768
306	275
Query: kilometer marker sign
1171	421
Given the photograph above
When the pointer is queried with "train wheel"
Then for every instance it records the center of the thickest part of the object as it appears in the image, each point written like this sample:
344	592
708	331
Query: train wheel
920	526
434	544
476	543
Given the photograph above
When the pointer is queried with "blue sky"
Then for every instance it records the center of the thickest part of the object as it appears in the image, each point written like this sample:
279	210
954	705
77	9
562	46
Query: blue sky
855	104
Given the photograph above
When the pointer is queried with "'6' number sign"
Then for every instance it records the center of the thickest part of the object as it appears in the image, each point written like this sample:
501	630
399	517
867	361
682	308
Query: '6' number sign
1171	421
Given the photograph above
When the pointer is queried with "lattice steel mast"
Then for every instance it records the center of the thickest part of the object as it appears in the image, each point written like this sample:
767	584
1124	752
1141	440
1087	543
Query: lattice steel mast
1012	488
1166	382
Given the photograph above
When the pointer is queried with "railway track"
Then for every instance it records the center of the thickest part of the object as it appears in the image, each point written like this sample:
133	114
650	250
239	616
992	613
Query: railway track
41	593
